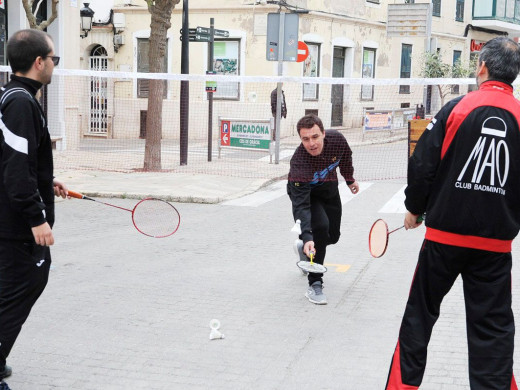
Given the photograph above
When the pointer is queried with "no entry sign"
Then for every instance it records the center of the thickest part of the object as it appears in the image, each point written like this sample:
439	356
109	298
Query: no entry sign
303	51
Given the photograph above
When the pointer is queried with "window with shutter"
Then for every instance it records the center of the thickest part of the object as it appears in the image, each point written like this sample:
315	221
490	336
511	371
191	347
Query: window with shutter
436	7
406	66
459	11
143	66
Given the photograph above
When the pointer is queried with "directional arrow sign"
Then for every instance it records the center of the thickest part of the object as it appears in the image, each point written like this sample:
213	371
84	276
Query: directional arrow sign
190	31
221	33
206	31
203	30
199	38
224	133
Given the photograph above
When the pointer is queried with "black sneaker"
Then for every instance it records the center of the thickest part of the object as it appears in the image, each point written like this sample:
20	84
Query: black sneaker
5	373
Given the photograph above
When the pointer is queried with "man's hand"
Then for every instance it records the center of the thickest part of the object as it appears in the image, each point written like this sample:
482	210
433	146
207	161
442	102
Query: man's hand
43	234
410	221
354	187
308	248
60	189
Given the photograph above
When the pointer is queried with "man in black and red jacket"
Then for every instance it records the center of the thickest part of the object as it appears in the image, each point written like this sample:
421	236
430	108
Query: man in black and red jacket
465	174
313	189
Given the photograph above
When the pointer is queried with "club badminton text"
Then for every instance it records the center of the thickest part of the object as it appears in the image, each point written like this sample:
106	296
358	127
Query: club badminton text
480	187
490	155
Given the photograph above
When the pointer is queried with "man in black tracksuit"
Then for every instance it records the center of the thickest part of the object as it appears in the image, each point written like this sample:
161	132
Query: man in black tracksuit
465	174
313	189
27	186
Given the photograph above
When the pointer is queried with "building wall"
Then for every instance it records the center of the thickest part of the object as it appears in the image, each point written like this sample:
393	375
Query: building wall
353	25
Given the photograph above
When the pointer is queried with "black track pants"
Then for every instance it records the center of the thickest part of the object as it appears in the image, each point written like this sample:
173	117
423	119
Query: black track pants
325	224
24	271
490	324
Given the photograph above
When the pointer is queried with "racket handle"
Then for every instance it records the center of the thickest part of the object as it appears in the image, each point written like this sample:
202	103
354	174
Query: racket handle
74	194
420	218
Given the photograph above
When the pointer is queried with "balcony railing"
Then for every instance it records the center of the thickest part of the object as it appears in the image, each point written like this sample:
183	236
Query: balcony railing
501	10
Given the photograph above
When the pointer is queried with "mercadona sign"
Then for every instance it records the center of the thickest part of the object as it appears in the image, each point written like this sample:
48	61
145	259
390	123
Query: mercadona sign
245	133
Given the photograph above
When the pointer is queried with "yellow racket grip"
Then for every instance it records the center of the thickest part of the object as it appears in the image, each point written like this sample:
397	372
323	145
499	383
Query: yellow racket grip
311	255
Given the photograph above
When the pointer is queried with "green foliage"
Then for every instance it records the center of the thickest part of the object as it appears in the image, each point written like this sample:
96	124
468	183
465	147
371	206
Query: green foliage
433	67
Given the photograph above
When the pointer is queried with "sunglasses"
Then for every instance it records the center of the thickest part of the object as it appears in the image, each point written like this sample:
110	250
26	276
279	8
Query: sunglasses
55	59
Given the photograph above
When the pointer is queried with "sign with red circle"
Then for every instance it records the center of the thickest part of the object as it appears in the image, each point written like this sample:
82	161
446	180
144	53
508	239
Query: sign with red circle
303	51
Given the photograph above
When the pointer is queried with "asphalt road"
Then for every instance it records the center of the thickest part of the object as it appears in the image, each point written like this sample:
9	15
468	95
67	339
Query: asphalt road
125	311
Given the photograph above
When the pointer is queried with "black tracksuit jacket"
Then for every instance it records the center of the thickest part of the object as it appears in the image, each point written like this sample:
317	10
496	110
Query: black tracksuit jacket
26	168
465	171
316	176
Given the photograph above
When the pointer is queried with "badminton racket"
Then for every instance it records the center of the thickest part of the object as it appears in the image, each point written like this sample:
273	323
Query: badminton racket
311	266
378	237
151	217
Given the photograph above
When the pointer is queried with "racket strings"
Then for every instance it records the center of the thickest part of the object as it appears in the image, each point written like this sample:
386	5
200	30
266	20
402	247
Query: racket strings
156	218
378	238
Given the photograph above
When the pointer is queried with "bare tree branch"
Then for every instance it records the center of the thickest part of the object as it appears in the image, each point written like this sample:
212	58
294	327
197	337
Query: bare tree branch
33	23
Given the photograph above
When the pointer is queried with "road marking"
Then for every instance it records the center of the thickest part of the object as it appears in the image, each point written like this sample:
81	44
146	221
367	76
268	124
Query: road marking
272	192
339	267
278	189
395	204
284	153
347	196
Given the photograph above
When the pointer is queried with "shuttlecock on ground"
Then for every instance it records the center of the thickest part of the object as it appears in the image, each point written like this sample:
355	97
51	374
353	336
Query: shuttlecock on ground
214	324
297	228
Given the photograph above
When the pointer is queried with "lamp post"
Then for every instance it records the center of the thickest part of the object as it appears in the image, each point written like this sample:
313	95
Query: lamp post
86	15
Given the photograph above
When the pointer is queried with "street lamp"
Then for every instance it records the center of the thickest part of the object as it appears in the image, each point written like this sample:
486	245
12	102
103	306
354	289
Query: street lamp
86	15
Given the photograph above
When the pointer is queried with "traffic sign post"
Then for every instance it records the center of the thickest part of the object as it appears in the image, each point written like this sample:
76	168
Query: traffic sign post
281	45
204	34
282	34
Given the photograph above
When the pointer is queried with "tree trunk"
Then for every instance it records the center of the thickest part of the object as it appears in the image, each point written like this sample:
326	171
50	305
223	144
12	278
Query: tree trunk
161	11
442	94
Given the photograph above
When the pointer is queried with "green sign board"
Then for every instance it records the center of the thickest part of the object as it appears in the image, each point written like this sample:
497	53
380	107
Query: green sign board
245	133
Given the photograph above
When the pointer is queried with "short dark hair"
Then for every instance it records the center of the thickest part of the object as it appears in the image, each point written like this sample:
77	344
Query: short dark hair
502	58
308	122
24	47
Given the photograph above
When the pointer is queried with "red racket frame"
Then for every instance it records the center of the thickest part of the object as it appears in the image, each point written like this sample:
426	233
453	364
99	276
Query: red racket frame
370	235
77	195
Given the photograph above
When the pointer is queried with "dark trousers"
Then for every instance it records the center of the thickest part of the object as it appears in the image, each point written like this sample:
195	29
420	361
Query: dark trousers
325	224
486	278
24	271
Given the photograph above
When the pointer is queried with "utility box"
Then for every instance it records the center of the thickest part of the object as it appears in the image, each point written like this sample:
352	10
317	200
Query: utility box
119	20
119	39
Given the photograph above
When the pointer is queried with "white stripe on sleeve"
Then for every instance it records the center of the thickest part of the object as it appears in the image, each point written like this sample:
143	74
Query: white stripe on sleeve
16	142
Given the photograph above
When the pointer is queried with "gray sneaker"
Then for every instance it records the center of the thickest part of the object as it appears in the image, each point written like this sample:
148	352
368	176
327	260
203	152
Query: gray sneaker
298	249
315	294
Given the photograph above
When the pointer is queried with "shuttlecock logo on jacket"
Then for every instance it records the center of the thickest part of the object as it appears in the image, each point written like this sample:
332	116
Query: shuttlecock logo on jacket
489	160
